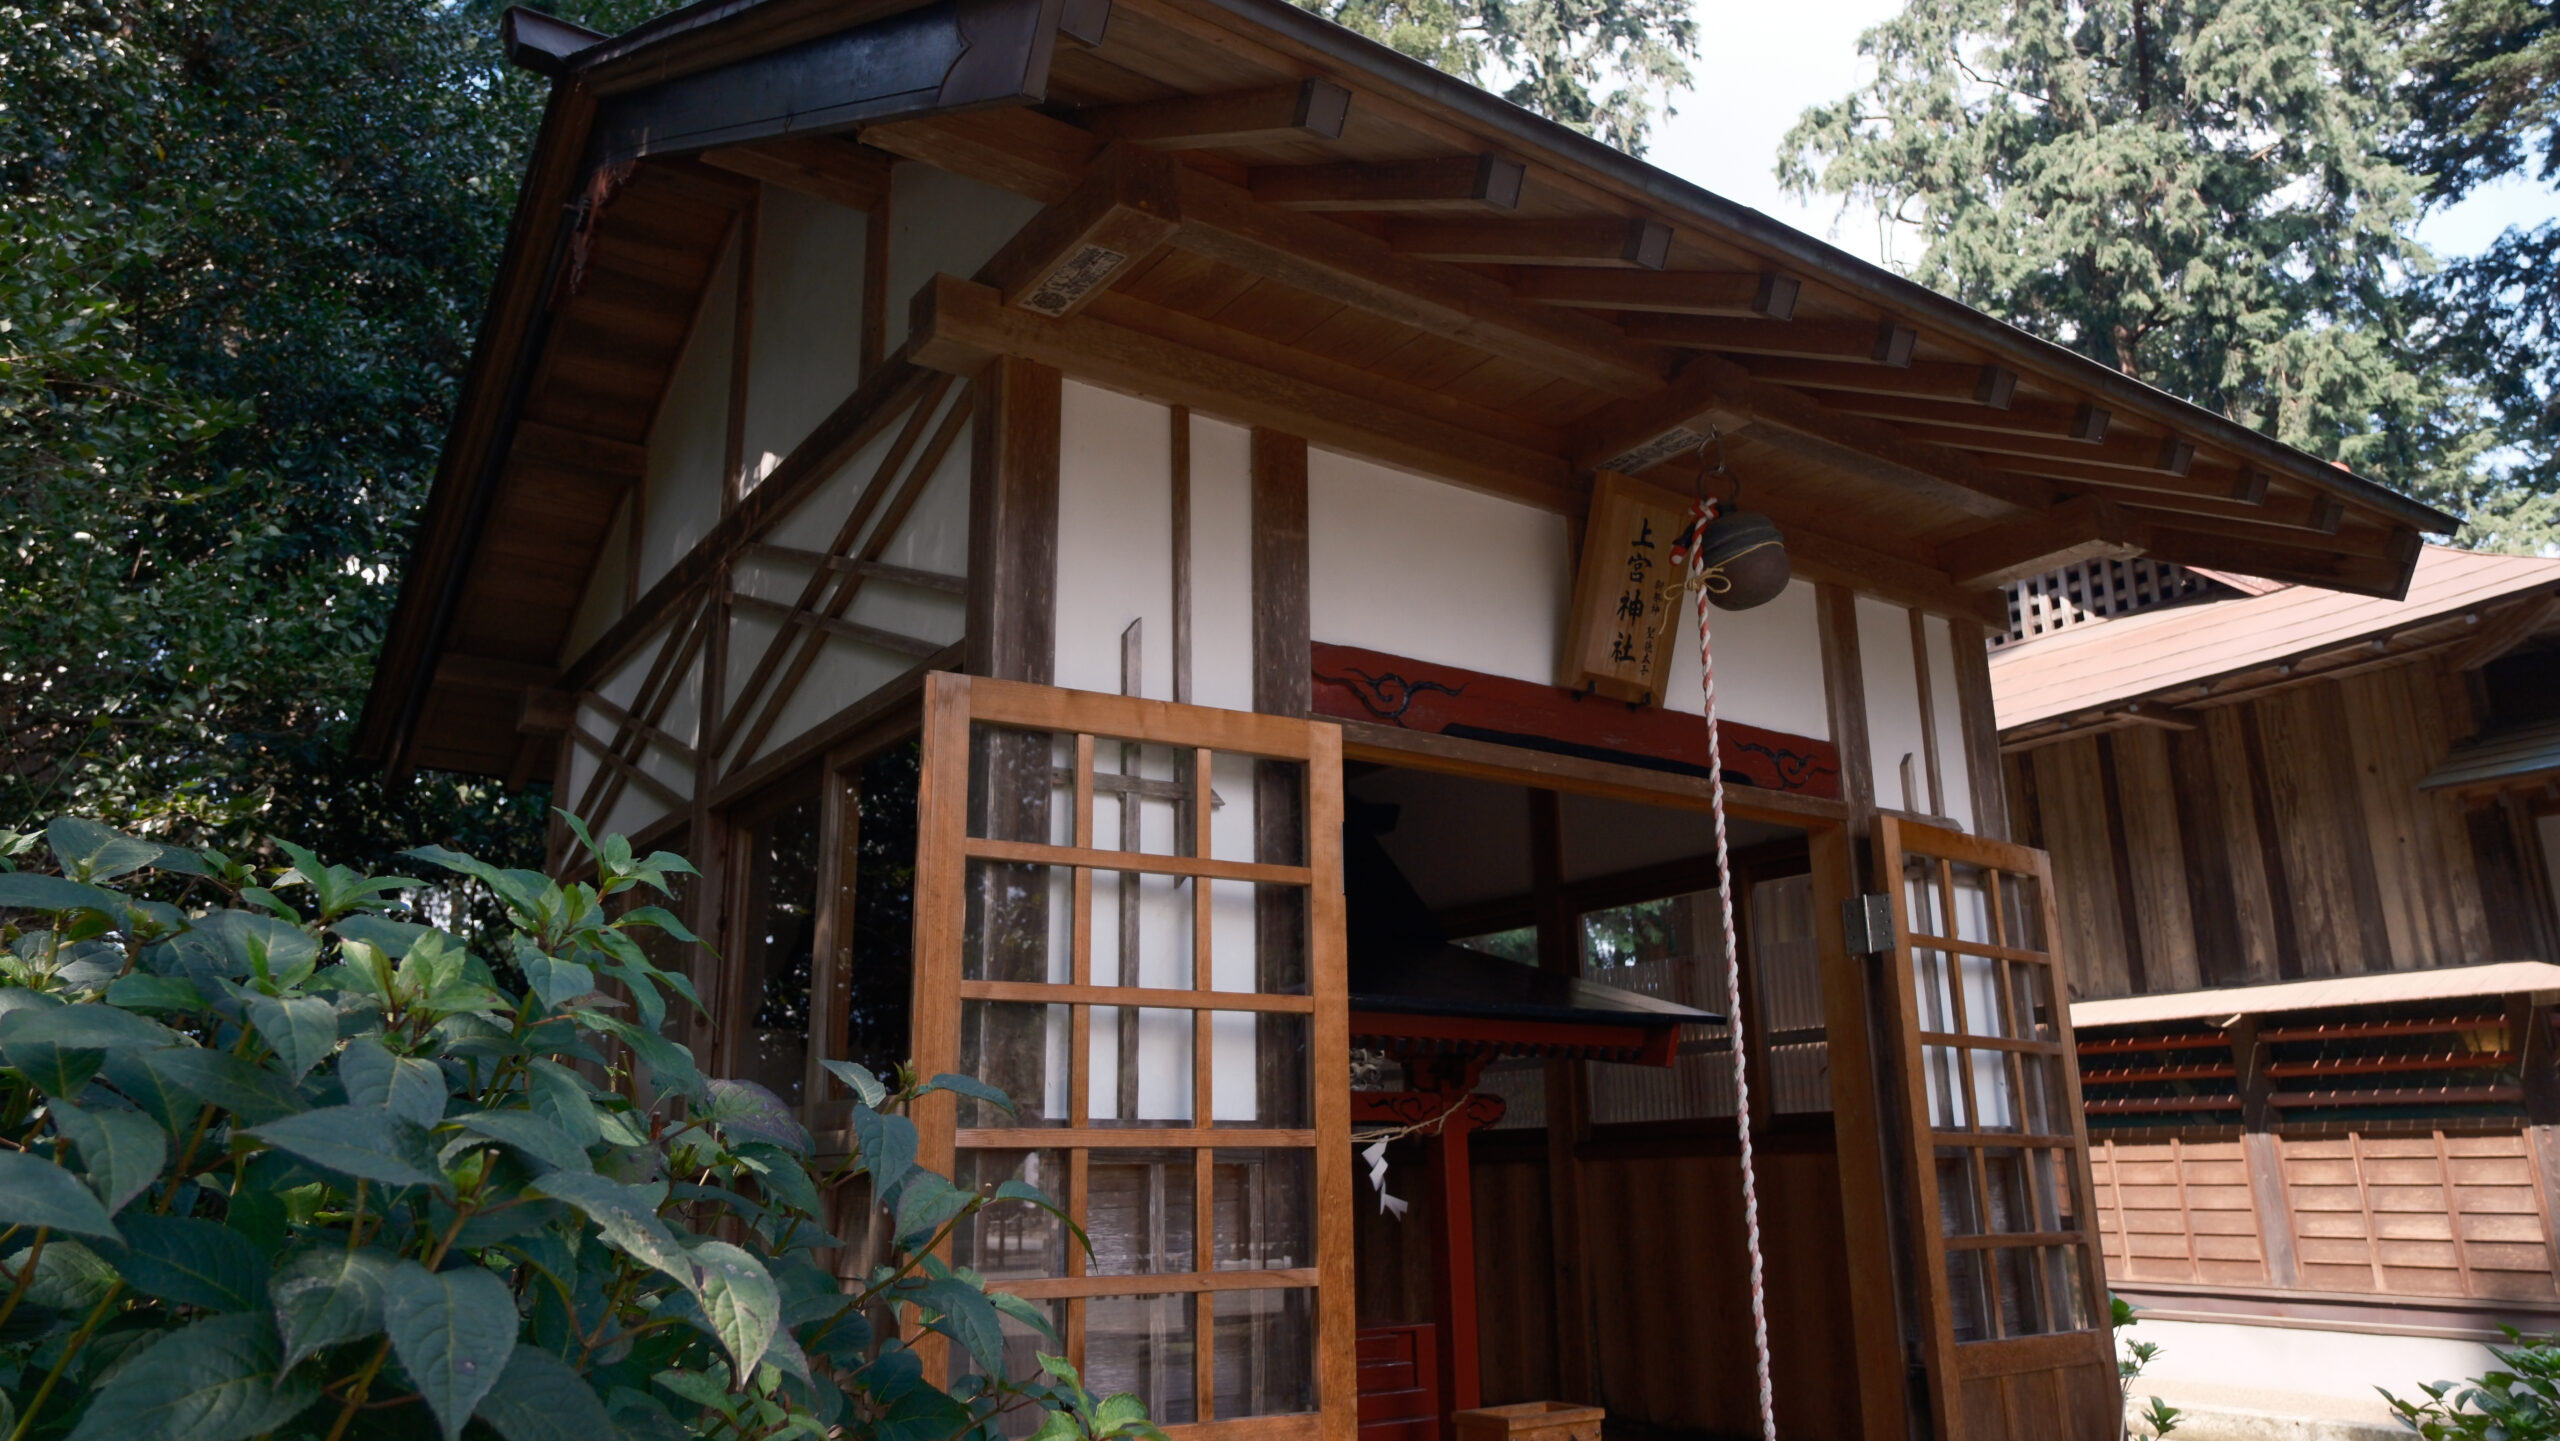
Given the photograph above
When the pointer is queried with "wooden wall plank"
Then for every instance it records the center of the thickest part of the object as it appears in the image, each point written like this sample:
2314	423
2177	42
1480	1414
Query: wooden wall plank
2263	940
2213	914
2072	809
1981	739
2146	793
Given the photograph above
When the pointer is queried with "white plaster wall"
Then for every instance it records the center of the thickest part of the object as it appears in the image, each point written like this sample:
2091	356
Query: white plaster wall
1947	705
636	807
691	435
601	606
1221	564
941	224
1416	568
1893	704
1115	539
2345	1364
1768	665
805	355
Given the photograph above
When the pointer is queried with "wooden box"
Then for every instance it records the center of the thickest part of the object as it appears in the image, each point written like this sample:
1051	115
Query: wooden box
1529	1421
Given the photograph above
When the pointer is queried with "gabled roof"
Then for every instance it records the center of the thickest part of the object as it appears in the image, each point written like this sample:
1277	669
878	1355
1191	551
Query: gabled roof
1327	237
2183	651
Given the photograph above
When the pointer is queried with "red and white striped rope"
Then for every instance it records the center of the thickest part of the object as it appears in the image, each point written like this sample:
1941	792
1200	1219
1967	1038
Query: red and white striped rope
1691	550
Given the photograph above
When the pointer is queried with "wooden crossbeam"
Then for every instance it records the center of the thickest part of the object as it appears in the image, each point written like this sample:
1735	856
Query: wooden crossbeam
1456	182
838	171
2213	479
2081	421
1639	243
1125	208
625	769
958	327
2160	454
1769	296
2088	528
871	635
1885	342
2207	494
855	565
2276	554
1309	110
560	445
1711	390
1988	385
1011	148
1324	257
595	701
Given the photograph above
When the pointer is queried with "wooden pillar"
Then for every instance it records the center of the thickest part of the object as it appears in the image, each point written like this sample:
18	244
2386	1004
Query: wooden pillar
1568	1102
1867	1105
1283	655
1453	1262
1013	521
2265	1158
2529	1036
1982	768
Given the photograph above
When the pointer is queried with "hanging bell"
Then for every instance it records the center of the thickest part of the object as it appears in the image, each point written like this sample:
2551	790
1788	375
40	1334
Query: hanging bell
1745	559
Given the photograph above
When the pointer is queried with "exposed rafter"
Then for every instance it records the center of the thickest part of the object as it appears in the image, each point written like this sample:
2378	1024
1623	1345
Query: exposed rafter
1877	342
1994	386
1459	182
1601	241
2089	528
1126	208
2064	419
838	171
1768	296
1308	110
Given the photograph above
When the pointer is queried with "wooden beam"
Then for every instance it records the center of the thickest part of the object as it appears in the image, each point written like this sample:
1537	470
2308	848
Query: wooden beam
2213	480
2089	528
958	326
1886	342
1770	296
456	671
629	771
2275	554
1012	148
1325	258
2065	419
681	750
559	445
2513	627
855	565
1012	631
1068	253
1828	560
1455	182
2156	454
1991	385
1603	241
1309	110
1710	390
837	171
870	635
1283	674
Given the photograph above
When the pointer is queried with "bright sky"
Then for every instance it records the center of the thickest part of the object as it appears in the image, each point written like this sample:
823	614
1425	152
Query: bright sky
1766	62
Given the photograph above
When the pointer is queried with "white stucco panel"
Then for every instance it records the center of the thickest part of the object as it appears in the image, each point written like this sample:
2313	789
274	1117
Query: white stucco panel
805	356
1768	665
941	224
1115	539
1221	566
1947	704
1417	568
1893	705
690	438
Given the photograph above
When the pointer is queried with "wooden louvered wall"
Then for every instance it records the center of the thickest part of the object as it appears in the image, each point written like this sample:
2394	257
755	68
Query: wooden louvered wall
2280	838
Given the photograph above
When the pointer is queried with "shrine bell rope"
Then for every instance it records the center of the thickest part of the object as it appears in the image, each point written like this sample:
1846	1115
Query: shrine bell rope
1690	552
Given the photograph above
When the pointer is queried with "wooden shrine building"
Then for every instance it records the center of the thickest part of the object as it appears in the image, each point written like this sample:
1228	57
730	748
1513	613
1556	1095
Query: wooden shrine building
1064	507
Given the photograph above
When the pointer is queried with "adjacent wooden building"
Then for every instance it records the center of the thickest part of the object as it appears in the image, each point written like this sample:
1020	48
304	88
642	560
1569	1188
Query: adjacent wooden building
1071	511
2305	843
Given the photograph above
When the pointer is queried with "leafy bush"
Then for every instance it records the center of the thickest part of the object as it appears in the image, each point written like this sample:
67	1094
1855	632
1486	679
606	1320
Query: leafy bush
279	1162
2520	1403
2162	1417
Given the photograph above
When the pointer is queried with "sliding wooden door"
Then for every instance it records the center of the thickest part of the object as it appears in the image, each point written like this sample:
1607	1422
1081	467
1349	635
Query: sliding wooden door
1129	919
2014	1299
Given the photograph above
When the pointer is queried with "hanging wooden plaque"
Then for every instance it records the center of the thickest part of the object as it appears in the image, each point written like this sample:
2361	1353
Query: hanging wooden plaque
1619	643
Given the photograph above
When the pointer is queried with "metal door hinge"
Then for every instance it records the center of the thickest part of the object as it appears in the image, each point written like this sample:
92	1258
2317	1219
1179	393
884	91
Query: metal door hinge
1867	923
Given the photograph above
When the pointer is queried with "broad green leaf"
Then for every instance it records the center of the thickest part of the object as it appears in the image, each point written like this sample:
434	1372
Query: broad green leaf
92	852
628	1217
663	919
22	892
1057	1426
189	1261
966	1316
88	1028
216	1380
140	992
559	1096
58	1071
969	1086
739	1296
924	1204
1117	1410
782	1176
218	1079
326	1296
70	1278
392	938
403	1085
1030	1313
530	1134
36	1192
670	1065
858	1079
640	1418
253	944
121	1152
159	1095
556	982
302	1029
539	1398
364	1141
749	1112
888	1145
454	1332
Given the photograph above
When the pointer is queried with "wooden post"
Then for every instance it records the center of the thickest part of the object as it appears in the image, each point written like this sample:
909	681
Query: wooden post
1453	1263
1283	658
1982	767
1013	521
2529	1036
1568	1112
2265	1157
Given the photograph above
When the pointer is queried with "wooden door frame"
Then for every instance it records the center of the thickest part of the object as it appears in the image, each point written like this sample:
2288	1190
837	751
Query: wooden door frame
1857	1119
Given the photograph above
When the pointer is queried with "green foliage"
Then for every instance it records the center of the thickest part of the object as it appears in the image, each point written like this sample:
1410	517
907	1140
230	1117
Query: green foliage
283	1161
2135	1359
2520	1403
2201	193
1602	67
